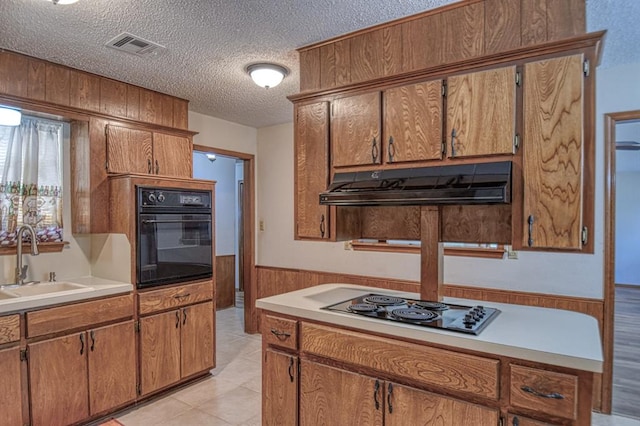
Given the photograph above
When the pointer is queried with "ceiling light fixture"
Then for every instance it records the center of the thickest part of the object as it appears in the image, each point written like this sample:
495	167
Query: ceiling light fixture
211	157
62	1
267	75
10	116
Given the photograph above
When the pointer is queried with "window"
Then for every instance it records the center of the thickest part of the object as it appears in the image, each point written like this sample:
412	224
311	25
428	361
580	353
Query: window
491	250
31	180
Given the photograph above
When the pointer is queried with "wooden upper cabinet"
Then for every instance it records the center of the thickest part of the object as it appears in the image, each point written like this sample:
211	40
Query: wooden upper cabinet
481	113
310	70
133	102
407	406
280	384
14	74
553	151
311	169
462	32
129	150
502	25
57	84
112	366
85	91
366	56
412	123
421	43
180	114
113	97
355	130
172	155
58	380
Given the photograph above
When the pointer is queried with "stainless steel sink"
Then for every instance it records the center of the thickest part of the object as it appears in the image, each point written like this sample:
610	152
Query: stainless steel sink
43	288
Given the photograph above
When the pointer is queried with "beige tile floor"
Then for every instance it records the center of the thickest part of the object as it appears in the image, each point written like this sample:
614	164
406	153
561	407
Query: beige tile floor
231	395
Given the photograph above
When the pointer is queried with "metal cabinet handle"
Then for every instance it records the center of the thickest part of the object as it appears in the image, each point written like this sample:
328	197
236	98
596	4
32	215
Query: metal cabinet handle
149	165
515	421
552	395
92	334
81	343
374	151
157	167
180	296
376	389
184	316
391	149
291	369
322	226
177	319
453	142
389	394
530	222
281	335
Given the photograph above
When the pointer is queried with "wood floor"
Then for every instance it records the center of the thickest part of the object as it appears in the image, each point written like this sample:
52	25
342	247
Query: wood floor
626	360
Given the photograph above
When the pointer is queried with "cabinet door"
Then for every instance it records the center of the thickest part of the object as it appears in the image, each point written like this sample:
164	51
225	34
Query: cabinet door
355	130
159	351
112	366
413	122
329	396
128	150
481	113
279	389
172	155
312	169
58	380
10	387
408	406
553	152
197	338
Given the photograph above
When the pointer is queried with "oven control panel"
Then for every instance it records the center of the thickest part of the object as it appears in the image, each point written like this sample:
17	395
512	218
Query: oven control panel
173	198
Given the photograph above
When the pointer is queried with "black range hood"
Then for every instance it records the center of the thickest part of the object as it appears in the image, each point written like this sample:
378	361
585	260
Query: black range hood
481	183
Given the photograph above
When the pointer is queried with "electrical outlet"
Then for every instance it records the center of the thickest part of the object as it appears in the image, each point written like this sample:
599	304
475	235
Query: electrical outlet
511	253
261	225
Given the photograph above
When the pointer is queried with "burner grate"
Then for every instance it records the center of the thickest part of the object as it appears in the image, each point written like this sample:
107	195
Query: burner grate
384	300
414	314
360	308
432	306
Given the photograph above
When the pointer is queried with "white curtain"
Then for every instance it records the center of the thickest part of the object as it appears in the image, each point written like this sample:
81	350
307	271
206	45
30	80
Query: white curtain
31	179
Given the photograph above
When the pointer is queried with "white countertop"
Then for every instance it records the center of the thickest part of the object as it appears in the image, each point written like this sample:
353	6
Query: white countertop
93	287
551	336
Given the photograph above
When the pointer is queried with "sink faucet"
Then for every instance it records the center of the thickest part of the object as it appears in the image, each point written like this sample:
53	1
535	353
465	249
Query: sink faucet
21	271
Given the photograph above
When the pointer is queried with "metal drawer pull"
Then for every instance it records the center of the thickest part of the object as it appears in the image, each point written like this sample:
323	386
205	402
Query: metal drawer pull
530	222
184	316
374	151
177	319
291	369
157	167
180	296
453	142
92	334
376	389
389	394
281	335
149	165
553	395
391	149
81	343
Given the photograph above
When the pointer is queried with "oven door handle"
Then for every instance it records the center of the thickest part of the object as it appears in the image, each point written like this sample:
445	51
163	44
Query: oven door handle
177	221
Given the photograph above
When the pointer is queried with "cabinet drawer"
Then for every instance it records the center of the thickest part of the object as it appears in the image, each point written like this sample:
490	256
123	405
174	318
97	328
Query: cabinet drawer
79	315
544	391
173	297
435	367
9	328
280	332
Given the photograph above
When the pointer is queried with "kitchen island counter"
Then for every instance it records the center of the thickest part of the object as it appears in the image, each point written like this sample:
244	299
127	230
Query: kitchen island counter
550	336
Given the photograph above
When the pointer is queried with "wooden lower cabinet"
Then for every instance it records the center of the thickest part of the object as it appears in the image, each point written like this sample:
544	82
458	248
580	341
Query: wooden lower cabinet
175	345
112	366
280	385
331	396
10	387
59	391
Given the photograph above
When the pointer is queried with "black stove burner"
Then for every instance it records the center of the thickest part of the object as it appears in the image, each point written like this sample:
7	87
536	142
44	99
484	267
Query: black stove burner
384	300
414	314
432	306
362	308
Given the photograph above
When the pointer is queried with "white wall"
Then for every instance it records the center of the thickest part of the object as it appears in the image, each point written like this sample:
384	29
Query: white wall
222	170
218	133
578	275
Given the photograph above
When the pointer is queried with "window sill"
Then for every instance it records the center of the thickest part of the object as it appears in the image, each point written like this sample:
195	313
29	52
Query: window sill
487	253
42	248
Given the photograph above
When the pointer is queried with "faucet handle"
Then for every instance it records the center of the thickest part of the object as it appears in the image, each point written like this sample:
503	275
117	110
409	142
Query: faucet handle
52	276
23	272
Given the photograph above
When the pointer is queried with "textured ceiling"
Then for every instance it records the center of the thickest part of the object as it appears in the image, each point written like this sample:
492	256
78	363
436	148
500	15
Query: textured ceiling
210	42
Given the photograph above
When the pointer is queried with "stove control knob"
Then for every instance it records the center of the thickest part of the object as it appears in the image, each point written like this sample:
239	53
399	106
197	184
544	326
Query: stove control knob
152	197
469	320
161	197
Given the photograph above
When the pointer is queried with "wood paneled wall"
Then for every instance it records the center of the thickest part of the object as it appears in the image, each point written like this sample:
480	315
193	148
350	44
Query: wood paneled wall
446	35
225	281
27	78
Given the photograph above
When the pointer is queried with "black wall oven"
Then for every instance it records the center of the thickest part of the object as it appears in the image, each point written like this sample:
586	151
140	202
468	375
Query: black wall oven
174	236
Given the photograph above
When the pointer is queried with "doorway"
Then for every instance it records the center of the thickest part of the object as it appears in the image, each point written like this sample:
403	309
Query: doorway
621	337
234	238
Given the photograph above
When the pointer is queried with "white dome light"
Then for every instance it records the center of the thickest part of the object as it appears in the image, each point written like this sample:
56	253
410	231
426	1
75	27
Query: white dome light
267	75
10	116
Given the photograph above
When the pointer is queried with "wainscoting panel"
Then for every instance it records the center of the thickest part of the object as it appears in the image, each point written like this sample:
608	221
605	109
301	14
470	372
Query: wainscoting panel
225	281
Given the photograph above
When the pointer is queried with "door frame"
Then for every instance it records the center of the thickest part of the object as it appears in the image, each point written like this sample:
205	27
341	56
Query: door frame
248	221
610	121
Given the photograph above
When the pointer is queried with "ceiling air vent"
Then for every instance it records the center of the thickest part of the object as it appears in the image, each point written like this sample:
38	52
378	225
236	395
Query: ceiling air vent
130	43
